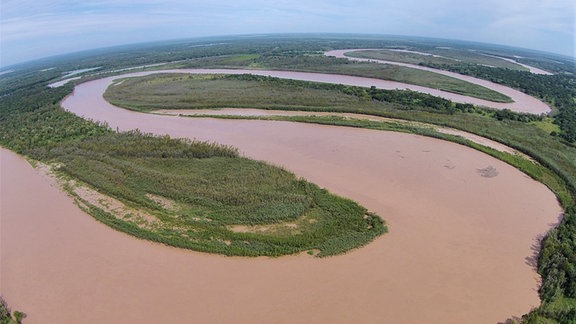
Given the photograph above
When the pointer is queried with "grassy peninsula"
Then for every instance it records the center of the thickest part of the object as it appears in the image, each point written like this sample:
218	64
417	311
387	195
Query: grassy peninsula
205	197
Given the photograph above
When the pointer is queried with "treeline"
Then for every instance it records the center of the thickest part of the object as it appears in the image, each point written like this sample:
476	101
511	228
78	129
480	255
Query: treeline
26	81
556	265
558	89
556	65
507	114
405	99
28	99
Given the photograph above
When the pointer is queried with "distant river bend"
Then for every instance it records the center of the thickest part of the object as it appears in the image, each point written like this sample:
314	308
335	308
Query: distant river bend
522	102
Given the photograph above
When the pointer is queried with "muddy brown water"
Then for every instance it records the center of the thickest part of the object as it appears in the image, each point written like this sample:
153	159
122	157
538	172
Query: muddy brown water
463	227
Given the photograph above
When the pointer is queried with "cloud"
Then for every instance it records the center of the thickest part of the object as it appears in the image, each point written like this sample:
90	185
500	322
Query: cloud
26	24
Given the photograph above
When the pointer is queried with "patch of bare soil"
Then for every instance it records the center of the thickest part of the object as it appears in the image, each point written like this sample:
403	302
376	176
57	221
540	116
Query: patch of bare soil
488	172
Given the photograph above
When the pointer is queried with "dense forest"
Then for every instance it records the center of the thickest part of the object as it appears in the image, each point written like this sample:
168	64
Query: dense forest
32	123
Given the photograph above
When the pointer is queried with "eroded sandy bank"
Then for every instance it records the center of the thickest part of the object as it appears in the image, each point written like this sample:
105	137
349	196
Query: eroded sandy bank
456	252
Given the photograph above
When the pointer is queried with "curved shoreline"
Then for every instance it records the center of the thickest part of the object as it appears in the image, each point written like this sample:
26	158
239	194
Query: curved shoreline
254	112
522	102
455	240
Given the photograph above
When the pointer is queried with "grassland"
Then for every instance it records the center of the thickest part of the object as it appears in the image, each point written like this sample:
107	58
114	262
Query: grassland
184	91
205	197
177	91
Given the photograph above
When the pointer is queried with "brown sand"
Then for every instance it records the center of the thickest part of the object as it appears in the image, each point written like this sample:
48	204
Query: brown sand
522	102
458	249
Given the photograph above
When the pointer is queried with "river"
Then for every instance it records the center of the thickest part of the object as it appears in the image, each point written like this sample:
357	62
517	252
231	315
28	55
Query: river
459	247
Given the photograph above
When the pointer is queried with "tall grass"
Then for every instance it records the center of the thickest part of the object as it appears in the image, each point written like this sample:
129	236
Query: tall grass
212	190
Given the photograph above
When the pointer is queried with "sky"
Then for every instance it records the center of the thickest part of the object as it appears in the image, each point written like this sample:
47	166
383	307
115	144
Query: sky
31	29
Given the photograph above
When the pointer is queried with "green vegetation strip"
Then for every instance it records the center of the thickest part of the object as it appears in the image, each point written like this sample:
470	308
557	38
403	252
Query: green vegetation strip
205	197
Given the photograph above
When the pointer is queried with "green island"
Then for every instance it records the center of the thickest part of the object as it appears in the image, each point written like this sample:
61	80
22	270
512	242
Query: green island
289	215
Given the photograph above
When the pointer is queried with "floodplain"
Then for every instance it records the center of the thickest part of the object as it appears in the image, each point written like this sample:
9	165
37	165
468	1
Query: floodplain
454	187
